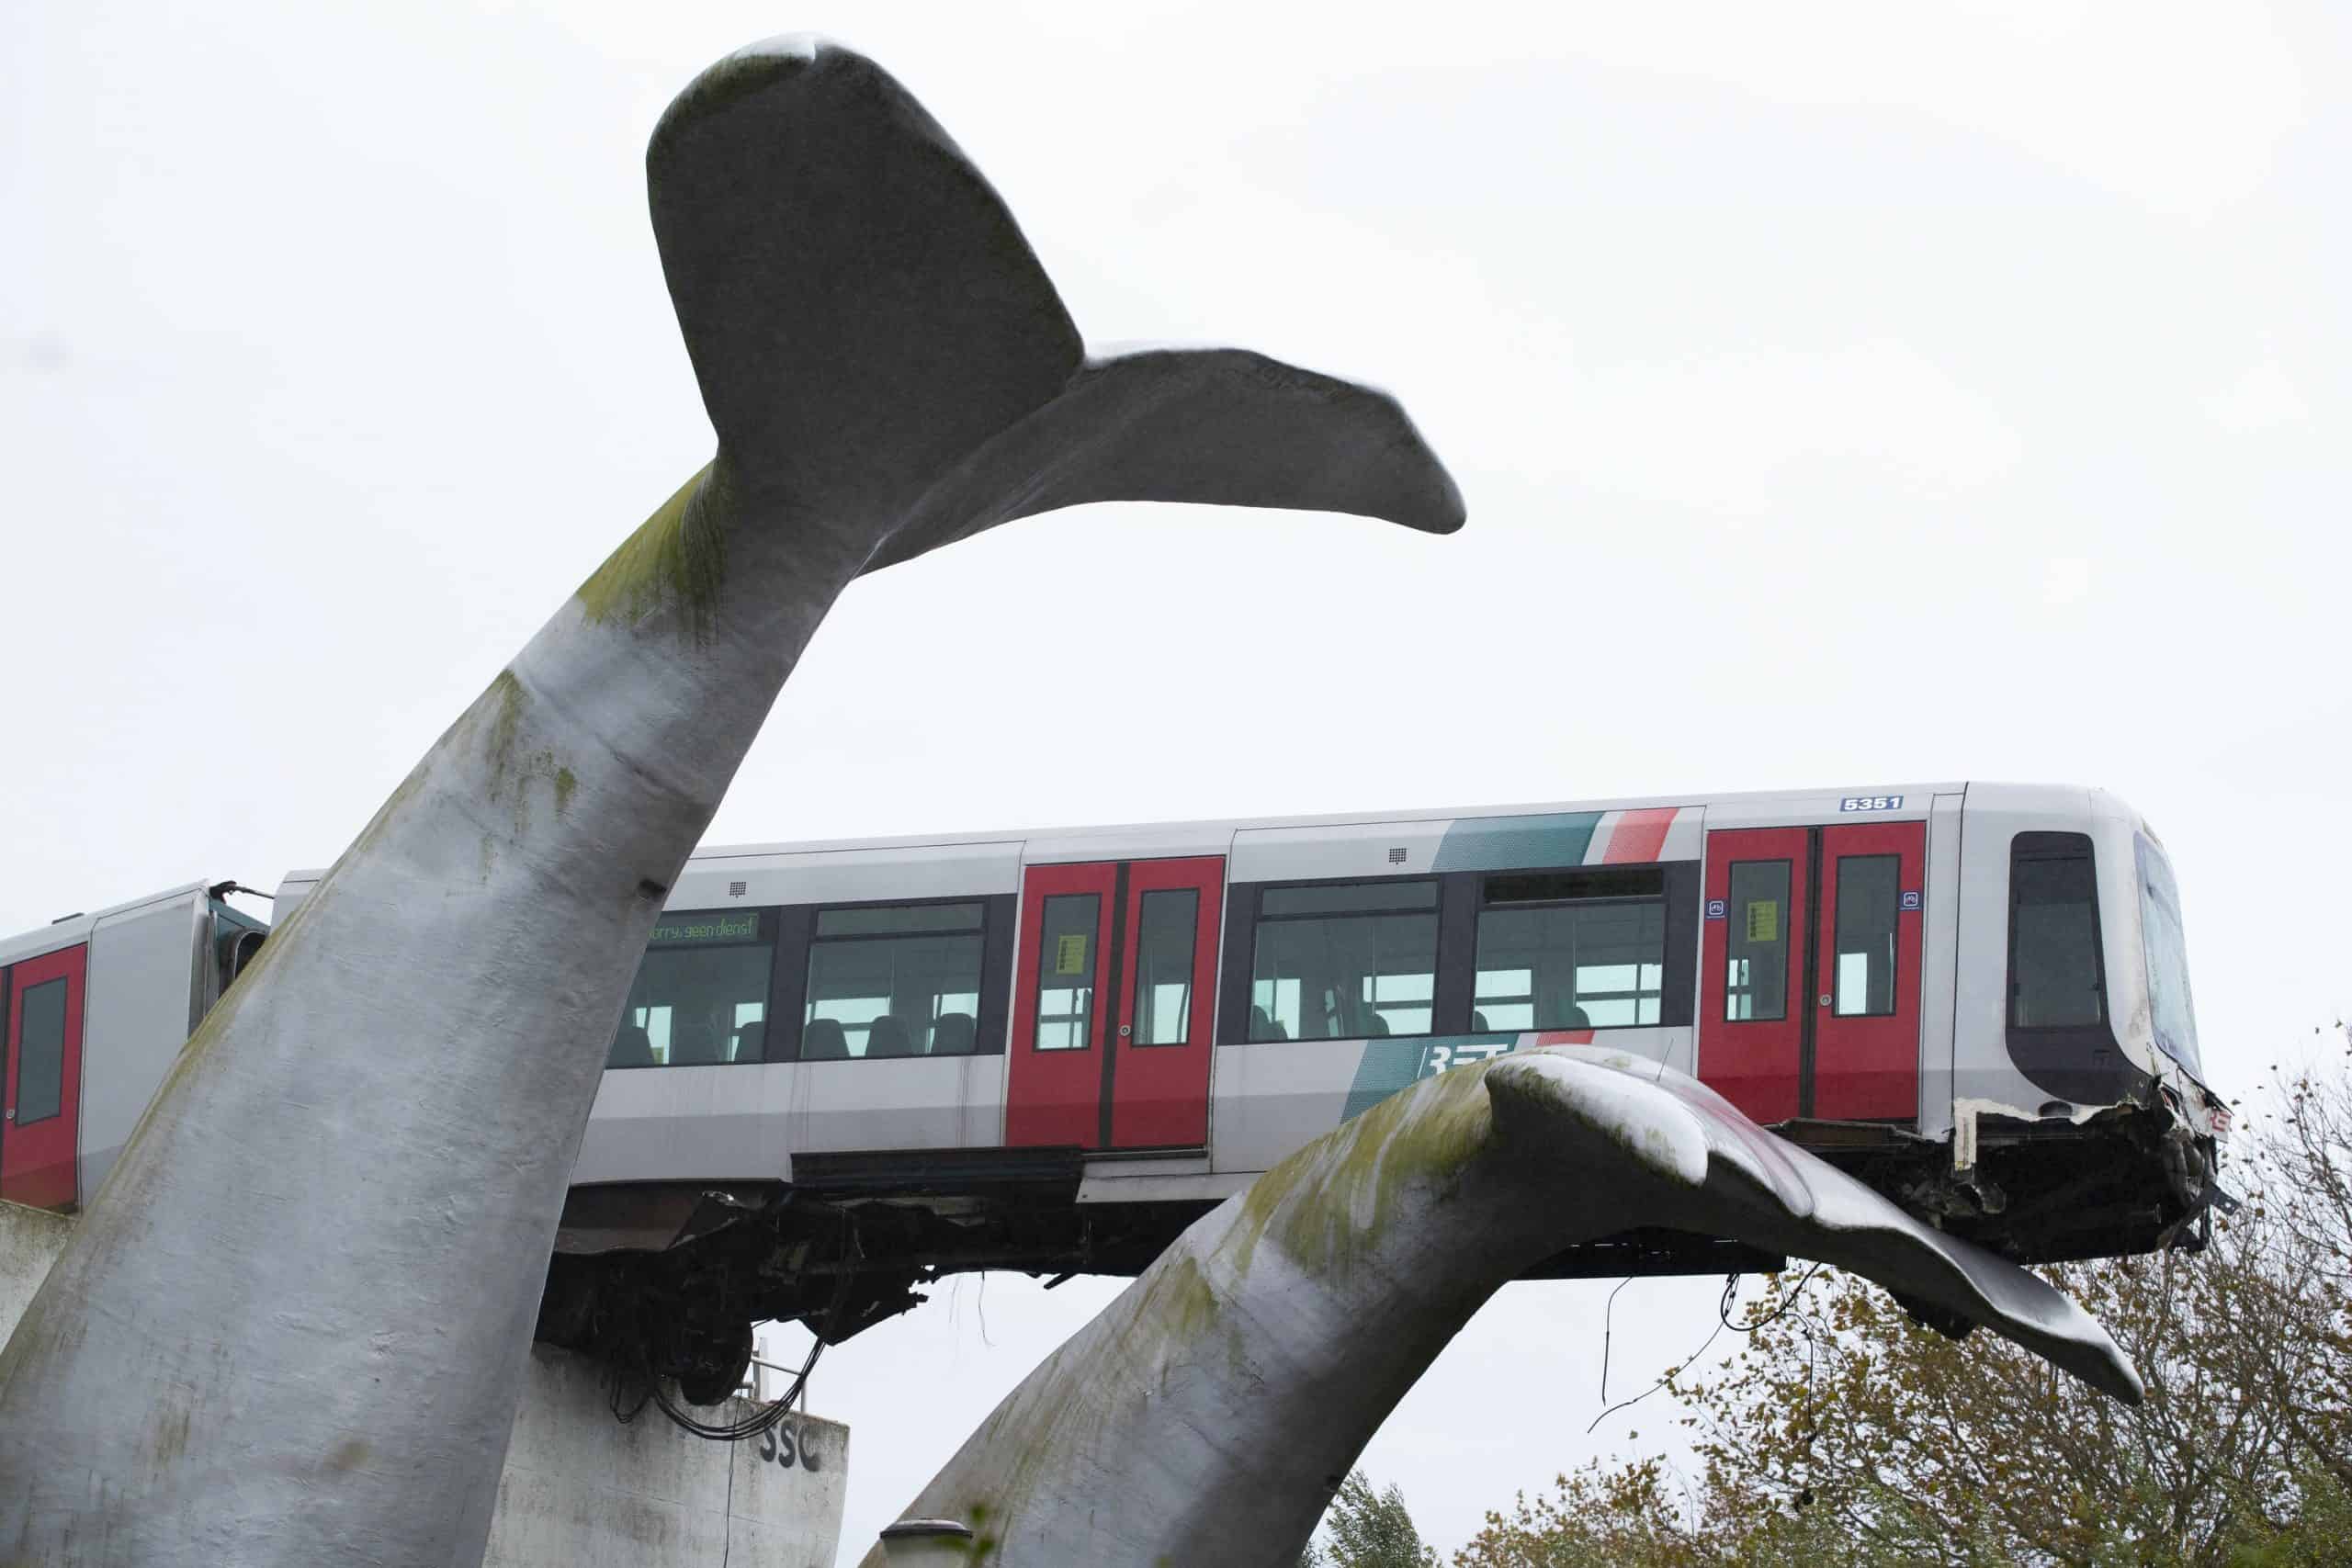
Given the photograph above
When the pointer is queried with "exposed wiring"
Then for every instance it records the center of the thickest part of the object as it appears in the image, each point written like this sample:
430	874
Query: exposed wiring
1731	1285
765	1418
1723	1321
1608	1326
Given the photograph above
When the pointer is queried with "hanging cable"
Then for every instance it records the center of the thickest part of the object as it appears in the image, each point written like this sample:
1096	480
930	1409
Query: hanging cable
1731	1284
1723	1321
1608	1326
765	1419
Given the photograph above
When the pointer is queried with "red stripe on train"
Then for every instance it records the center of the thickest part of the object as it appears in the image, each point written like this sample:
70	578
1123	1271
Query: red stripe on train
1640	836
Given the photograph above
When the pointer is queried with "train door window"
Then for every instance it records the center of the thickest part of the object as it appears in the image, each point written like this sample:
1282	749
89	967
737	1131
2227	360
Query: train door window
1066	965
1167	925
1571	950
41	1053
894	980
1344	962
1866	926
1756	985
2055	978
701	996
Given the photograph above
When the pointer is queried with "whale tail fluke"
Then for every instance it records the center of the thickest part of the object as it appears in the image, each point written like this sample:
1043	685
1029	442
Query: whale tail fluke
1220	426
880	350
1719	1174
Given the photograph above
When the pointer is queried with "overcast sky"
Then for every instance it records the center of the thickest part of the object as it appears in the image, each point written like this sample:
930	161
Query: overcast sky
1844	396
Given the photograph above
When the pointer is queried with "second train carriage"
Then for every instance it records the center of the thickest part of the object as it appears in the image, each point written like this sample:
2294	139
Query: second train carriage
846	1069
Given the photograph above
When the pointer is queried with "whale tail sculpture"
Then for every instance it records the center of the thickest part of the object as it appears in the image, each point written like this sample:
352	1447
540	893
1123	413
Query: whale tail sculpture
882	354
1207	1413
292	1327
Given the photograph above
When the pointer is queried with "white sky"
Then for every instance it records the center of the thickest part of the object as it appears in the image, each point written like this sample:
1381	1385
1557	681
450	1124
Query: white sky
1844	395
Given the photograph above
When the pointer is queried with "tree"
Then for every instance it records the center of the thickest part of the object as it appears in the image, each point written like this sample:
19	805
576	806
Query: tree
1369	1529
1845	1433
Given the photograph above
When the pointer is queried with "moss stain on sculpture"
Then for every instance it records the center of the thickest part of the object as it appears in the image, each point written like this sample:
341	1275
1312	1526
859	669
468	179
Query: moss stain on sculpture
511	770
1331	1201
676	560
1178	1307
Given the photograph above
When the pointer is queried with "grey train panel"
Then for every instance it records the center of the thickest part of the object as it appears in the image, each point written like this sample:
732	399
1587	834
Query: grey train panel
140	999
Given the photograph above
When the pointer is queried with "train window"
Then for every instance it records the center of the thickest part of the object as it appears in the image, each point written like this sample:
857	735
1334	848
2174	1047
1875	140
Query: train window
893	980
1168	923
701	995
1348	961
1867	917
41	1053
1756	988
1571	950
2055	978
2167	954
1066	971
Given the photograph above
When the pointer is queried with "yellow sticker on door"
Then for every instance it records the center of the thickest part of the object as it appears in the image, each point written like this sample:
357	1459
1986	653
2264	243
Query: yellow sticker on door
1763	920
1070	954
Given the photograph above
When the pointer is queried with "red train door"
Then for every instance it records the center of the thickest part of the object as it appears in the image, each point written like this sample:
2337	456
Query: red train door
1809	970
1751	970
1866	995
40	1089
1112	997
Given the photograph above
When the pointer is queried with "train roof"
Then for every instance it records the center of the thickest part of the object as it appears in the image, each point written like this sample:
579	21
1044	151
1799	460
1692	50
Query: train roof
67	930
1214	835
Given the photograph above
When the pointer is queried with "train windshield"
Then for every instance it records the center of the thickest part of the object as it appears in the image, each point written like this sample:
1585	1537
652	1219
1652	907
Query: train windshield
2160	935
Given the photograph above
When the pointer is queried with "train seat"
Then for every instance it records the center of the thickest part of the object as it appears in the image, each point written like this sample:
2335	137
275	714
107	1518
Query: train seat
823	1041
888	1036
952	1034
631	1048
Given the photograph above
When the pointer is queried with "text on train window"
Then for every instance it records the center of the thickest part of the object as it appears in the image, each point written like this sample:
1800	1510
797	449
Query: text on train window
893	980
1570	949
1350	960
701	995
1066	962
1756	987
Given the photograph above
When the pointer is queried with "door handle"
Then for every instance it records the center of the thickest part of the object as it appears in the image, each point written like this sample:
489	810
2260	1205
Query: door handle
1126	1030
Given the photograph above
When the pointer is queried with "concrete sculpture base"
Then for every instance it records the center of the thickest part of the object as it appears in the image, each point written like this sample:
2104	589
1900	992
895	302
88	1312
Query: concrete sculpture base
581	1490
1208	1413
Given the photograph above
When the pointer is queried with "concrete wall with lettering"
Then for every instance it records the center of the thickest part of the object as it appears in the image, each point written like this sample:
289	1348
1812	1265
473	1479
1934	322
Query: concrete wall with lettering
583	1491
580	1489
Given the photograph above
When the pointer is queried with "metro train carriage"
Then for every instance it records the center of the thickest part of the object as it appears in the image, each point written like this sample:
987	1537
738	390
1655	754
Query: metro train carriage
93	1009
847	1069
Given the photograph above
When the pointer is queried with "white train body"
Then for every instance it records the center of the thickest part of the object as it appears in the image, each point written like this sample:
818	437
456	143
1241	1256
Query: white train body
1049	1050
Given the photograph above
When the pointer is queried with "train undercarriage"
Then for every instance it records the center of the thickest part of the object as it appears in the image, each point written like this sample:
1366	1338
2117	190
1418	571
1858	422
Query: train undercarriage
664	1282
